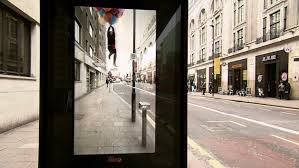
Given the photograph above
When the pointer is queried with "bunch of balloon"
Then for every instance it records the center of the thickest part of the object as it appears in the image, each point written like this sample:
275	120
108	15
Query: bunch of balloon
110	15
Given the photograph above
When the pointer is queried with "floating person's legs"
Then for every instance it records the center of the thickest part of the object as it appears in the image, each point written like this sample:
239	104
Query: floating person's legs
114	61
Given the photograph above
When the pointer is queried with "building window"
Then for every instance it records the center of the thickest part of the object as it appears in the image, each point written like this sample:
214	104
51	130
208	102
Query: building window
240	37
14	43
217	5
192	42
90	51
203	54
265	4
274	25
235	14
202	16
77	32
235	44
217	26
217	47
200	38
192	25
203	35
285	18
192	59
265	29
240	11
90	30
87	46
199	56
77	70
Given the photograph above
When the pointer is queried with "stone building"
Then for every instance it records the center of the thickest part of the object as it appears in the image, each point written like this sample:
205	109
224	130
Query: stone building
146	61
90	49
19	62
255	45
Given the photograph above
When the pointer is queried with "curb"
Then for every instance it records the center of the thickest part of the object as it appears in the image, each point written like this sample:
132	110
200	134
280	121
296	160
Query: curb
17	125
294	108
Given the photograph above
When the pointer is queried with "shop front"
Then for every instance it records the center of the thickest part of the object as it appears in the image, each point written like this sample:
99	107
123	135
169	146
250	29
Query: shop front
271	68
237	75
201	79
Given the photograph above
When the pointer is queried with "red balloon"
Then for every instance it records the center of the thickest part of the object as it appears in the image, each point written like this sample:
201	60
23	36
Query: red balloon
108	17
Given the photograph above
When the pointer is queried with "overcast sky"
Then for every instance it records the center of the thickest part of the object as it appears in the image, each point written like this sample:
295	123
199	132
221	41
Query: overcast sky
124	37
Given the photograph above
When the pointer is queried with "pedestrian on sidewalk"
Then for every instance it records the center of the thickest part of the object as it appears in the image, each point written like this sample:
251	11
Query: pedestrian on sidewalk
287	91
203	87
194	87
107	81
210	87
281	90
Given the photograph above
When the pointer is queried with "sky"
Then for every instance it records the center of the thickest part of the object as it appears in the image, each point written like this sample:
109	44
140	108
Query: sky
124	38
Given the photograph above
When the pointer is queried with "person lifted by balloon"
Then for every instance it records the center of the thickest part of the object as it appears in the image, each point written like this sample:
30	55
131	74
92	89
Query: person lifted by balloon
111	15
111	43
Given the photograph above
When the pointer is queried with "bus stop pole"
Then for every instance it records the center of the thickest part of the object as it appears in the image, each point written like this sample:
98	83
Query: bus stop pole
133	70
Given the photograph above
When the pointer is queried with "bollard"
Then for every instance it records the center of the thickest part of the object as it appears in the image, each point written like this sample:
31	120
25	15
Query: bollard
144	124
144	106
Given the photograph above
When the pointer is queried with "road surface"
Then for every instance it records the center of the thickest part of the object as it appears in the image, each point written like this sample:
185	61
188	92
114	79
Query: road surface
234	134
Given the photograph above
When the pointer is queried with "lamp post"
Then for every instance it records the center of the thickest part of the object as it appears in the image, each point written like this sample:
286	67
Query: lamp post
133	70
213	57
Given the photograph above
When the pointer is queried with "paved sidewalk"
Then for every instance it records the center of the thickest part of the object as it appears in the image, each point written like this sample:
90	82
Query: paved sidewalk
250	99
19	147
103	126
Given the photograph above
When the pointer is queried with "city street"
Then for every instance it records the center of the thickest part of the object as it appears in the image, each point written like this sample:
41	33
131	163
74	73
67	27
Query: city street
224	133
243	135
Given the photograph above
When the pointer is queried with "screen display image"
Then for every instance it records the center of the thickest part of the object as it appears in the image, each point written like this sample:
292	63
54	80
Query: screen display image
115	80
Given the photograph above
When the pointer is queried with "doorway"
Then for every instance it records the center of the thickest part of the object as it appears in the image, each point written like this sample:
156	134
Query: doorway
237	79
92	80
271	80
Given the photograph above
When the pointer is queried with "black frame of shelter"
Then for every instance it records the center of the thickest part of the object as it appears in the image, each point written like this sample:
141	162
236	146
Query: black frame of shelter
57	86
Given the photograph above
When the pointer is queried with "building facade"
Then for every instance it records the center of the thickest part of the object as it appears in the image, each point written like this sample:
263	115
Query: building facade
19	62
146	61
244	45
90	49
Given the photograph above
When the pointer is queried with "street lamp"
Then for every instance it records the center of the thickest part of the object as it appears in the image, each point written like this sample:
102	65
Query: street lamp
213	57
133	70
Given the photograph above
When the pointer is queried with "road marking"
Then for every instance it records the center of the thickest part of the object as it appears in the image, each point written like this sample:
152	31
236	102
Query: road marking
245	102
263	109
207	128
228	121
242	125
296	143
212	161
288	113
250	120
140	89
126	103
